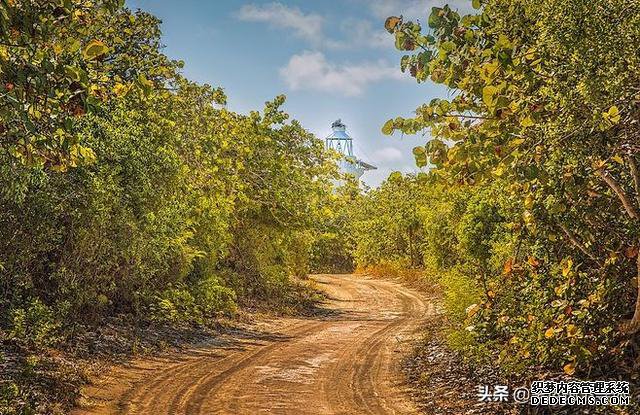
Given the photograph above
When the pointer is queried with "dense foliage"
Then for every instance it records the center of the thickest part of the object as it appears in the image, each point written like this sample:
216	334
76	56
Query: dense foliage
387	224
127	190
531	202
333	243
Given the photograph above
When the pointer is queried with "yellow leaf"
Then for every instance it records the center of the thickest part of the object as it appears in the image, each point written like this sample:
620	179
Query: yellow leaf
516	142
570	368
612	259
617	159
527	122
528	217
120	89
529	201
613	114
566	268
94	49
489	96
549	333
387	128
530	54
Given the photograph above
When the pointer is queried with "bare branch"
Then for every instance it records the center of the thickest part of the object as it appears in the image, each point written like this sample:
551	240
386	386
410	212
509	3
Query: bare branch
633	326
574	240
622	195
471	117
633	166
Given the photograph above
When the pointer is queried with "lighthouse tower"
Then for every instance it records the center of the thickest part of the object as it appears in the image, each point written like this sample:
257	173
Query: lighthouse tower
340	141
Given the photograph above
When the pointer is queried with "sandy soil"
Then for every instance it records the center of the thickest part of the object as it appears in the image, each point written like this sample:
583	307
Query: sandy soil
343	361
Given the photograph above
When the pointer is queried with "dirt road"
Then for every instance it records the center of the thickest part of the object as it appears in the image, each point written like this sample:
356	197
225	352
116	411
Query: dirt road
345	361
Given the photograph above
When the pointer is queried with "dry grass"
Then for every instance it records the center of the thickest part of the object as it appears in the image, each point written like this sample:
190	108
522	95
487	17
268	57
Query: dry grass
416	278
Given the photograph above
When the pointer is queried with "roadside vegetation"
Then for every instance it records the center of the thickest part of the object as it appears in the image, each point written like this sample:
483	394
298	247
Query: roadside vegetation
528	216
129	193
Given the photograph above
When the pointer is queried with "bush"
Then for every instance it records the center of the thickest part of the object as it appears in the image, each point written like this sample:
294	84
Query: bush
135	193
35	326
214	299
460	292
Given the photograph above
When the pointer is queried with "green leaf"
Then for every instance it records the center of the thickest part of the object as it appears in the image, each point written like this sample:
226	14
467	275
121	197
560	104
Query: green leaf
434	17
448	46
145	85
72	72
613	114
469	35
400	37
489	96
404	62
396	175
476	4
527	122
387	128
94	49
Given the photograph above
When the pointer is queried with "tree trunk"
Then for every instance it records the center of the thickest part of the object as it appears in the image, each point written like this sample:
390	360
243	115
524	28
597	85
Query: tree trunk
633	326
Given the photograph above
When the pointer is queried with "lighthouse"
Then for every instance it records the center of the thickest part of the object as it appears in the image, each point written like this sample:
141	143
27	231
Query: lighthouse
341	142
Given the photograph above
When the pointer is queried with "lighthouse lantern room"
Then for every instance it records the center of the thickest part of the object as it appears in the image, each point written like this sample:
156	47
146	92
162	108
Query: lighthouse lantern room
341	142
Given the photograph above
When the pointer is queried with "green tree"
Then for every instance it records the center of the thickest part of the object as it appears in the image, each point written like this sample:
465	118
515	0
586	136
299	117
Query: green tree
544	113
387	226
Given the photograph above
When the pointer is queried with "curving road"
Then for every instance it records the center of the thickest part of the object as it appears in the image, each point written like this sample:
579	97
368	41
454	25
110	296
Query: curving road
344	361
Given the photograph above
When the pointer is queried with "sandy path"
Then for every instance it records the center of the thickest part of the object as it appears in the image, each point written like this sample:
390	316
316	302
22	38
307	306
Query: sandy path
343	362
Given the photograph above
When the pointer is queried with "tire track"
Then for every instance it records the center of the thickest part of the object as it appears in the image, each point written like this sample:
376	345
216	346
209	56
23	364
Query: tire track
366	366
345	362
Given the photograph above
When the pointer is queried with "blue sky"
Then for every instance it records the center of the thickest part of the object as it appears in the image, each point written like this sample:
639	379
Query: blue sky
332	59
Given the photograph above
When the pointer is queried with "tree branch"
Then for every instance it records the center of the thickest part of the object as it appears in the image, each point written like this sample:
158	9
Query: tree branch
574	240
633	326
633	166
471	117
622	195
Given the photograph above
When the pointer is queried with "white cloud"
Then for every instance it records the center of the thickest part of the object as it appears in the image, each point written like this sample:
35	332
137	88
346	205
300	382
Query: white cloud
363	33
387	154
312	71
414	9
355	32
307	26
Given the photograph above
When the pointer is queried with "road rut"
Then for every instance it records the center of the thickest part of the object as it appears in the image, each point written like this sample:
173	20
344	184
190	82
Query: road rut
344	361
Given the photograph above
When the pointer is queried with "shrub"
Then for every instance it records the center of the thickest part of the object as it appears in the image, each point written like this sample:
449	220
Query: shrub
35	326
